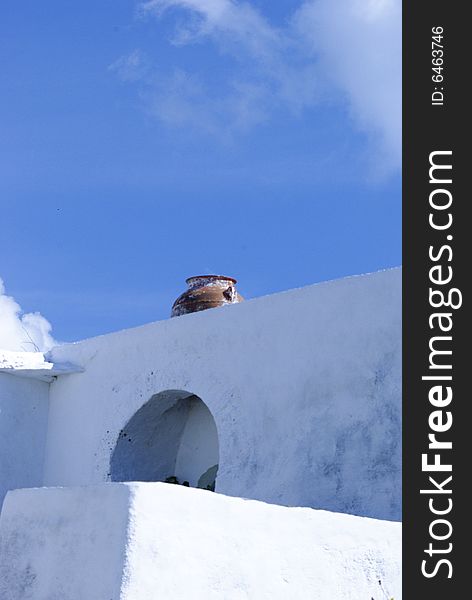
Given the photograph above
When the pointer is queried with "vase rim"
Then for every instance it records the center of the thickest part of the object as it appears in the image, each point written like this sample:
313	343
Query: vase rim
210	278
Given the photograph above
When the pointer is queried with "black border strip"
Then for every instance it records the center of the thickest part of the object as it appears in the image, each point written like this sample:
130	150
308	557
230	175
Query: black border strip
435	124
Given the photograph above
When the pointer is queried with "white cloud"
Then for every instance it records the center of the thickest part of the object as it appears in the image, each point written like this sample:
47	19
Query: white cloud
265	57
231	22
358	45
346	51
22	331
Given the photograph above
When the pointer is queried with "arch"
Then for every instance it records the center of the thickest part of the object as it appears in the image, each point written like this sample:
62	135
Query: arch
173	435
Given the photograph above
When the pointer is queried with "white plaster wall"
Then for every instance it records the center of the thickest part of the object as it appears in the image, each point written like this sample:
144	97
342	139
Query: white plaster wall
63	544
198	449
304	386
23	424
153	540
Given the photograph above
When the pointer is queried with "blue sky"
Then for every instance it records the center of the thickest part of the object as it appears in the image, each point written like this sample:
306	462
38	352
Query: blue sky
142	143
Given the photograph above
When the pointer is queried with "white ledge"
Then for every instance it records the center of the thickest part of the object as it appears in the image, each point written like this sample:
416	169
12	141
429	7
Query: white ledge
34	365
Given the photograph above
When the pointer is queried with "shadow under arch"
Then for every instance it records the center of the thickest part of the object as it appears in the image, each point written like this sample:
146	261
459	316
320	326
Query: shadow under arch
173	435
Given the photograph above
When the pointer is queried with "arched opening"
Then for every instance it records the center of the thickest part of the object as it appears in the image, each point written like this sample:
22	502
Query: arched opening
173	438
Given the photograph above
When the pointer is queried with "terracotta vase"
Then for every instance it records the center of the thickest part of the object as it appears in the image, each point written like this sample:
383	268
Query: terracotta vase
206	291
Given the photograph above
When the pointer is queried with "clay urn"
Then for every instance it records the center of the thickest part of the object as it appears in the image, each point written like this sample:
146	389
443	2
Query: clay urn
206	291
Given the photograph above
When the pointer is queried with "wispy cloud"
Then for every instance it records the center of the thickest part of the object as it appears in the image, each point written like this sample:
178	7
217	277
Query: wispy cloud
22	331
131	67
346	51
358	46
183	99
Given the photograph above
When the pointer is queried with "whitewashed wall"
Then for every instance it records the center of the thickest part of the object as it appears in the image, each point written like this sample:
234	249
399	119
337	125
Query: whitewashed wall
304	386
153	540
23	424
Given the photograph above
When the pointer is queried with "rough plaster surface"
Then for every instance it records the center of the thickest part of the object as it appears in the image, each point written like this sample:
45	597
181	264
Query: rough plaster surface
304	387
63	544
23	425
157	541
